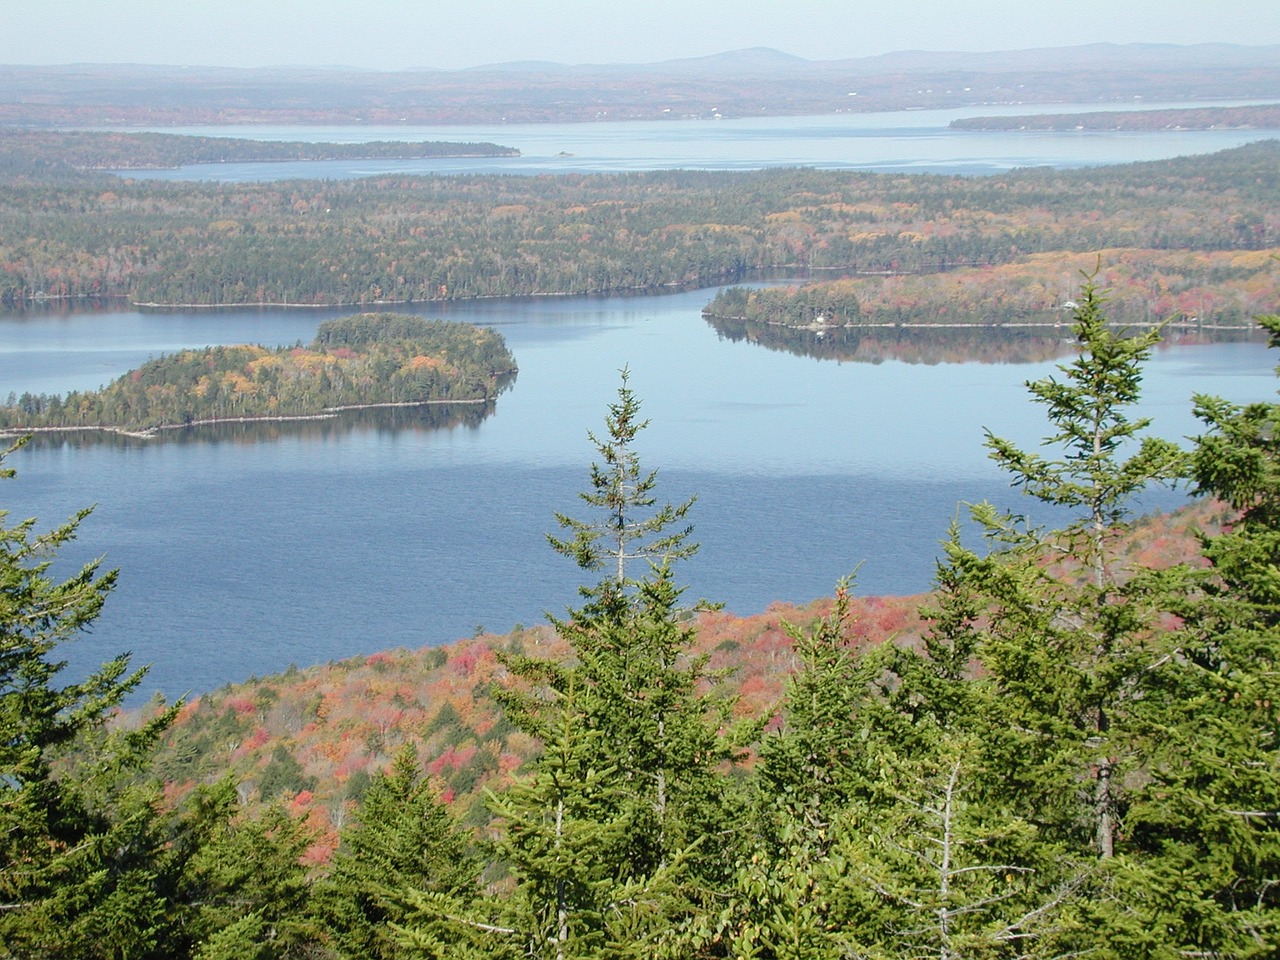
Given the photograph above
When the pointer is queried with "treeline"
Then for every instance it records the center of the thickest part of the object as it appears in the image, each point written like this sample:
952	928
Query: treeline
415	239
86	150
1073	753
1258	116
1197	290
867	344
355	361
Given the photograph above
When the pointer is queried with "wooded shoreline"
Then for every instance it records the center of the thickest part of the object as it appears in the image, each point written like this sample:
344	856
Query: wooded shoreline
329	413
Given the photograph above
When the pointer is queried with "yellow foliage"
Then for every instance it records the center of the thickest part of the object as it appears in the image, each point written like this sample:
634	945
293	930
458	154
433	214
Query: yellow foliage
267	362
423	363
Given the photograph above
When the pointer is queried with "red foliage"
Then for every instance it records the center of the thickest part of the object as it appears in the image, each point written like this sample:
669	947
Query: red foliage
320	853
453	758
464	660
259	738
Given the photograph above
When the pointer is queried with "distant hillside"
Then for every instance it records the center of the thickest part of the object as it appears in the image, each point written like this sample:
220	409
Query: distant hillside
315	736
753	82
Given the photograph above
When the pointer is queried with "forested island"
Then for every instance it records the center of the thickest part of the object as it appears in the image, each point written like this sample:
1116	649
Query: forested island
1192	118
409	239
366	360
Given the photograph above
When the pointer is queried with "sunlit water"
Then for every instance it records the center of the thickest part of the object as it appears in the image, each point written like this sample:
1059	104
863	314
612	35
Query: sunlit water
902	141
244	550
241	554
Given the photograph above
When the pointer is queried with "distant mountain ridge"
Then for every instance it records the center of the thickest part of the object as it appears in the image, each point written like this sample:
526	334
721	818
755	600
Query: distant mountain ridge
759	81
747	60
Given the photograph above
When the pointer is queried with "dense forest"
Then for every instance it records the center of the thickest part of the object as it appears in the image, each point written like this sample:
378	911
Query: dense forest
1070	748
370	359
397	239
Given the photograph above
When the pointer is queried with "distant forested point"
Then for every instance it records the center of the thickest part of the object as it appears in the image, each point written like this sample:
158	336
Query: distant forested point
1261	116
1202	291
107	150
365	360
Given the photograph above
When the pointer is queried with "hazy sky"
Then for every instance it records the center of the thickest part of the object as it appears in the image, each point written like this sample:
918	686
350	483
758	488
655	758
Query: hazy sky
396	34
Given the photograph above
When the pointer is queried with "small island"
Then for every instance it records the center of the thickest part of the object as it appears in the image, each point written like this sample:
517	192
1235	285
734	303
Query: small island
365	360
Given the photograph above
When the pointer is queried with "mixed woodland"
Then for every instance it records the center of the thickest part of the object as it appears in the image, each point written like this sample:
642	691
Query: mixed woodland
1070	747
1174	229
365	360
1186	118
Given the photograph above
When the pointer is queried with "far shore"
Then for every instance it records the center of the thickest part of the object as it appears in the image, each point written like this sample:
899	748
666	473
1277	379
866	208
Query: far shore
1188	325
149	433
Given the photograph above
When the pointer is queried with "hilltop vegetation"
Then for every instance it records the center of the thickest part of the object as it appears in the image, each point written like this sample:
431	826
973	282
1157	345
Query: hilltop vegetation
370	359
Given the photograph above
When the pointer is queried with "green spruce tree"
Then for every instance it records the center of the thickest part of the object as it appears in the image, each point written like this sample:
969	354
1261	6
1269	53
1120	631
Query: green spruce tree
403	841
81	873
640	711
1070	649
1206	819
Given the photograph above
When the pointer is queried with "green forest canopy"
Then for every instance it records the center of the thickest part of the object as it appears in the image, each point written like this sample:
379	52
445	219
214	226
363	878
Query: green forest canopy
403	238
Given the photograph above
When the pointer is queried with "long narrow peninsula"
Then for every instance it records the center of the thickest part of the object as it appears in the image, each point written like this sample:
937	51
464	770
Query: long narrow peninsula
140	150
365	360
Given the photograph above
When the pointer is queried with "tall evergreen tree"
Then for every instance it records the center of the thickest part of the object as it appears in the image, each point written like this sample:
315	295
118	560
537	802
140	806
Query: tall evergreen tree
80	873
243	890
789	891
1070	650
1206	820
630	525
641	712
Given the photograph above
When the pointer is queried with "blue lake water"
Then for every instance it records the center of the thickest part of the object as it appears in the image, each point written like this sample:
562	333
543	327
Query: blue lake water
902	141
244	550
